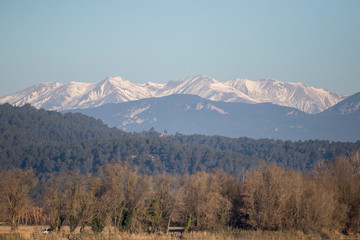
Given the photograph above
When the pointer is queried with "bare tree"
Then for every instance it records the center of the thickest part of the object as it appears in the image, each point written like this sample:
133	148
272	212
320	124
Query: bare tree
319	208
160	204
114	176
136	192
342	177
121	197
78	204
15	185
56	202
272	197
200	204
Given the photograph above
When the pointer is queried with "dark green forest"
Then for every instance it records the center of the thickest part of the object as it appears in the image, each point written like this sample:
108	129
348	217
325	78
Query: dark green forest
51	142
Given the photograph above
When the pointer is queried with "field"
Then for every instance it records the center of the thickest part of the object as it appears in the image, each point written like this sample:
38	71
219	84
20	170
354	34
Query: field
34	232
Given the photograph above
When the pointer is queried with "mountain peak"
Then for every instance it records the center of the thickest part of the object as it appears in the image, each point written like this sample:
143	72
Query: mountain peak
348	106
201	79
296	95
116	80
64	96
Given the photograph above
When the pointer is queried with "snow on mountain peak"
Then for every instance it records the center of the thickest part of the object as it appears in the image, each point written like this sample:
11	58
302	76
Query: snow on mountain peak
205	87
153	86
348	106
72	95
296	95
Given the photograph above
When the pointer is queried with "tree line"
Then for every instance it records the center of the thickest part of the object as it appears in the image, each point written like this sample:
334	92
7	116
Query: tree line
300	155
154	155
268	197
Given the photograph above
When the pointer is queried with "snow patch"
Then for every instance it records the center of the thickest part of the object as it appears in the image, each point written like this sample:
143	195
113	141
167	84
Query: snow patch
135	112
139	120
290	113
199	106
214	108
187	108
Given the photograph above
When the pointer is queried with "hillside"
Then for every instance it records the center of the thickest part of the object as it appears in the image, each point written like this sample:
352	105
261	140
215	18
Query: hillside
51	142
190	114
23	125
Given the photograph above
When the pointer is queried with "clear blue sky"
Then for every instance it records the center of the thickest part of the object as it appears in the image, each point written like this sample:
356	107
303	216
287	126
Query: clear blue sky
316	42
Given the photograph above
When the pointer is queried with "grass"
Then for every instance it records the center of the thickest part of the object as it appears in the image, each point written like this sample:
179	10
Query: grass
34	232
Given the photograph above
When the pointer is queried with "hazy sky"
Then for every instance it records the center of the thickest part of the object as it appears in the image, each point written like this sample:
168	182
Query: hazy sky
311	41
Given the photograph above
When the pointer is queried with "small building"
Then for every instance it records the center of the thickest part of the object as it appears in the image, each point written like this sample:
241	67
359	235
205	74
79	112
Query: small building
176	230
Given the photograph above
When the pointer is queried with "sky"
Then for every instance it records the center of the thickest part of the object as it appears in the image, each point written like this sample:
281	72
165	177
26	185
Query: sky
316	42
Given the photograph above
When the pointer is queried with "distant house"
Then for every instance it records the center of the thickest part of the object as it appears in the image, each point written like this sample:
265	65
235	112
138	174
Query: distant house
176	230
165	134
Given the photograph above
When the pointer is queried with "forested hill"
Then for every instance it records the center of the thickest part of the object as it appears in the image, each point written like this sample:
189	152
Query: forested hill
51	142
23	125
300	155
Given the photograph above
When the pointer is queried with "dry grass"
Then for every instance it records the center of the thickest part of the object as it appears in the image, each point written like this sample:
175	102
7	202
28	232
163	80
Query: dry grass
23	233
261	235
34	232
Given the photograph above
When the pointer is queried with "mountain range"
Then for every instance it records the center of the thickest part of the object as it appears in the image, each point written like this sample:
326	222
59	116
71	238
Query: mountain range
78	95
265	108
190	114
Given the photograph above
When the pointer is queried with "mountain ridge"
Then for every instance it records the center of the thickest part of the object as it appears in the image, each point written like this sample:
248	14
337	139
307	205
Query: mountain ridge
348	106
79	95
191	114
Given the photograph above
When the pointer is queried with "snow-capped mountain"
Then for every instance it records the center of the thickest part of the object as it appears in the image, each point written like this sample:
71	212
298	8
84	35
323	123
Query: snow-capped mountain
76	95
62	96
296	95
205	87
350	105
